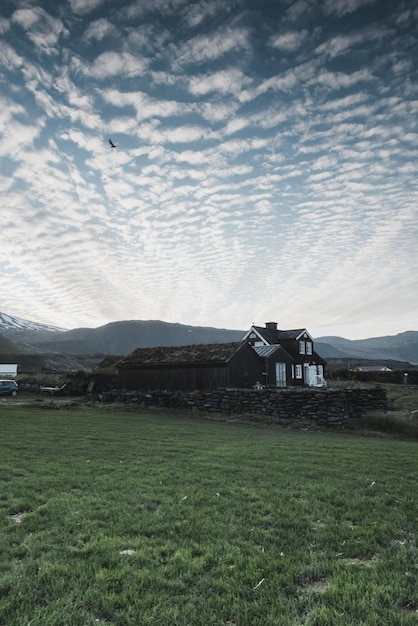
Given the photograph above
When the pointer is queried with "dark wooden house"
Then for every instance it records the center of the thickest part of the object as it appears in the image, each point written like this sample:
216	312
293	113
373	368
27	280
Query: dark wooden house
292	359
188	368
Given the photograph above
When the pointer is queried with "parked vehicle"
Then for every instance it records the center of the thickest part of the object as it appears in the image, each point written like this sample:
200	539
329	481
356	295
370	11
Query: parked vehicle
8	388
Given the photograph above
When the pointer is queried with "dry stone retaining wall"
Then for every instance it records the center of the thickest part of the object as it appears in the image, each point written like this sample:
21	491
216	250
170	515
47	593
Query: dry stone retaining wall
327	406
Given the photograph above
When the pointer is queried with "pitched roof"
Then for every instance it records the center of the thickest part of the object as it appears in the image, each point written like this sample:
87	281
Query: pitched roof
287	339
199	353
291	334
266	351
276	336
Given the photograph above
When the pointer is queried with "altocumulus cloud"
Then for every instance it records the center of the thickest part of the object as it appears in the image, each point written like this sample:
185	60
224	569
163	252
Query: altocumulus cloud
265	165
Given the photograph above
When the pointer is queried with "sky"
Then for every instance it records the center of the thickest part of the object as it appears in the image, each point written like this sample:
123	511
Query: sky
265	166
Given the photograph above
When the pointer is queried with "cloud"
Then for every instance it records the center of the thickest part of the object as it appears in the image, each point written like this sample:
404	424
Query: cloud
274	145
216	112
197	13
298	9
16	136
226	81
99	29
345	102
4	25
344	7
8	110
73	94
144	106
186	134
142	8
287	81
290	41
211	47
41	28
346	43
111	64
341	80
81	7
9	58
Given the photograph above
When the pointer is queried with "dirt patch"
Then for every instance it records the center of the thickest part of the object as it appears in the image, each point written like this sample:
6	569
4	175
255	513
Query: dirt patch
18	517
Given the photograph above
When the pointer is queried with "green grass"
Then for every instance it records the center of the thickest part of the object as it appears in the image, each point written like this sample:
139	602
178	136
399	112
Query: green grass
400	397
134	518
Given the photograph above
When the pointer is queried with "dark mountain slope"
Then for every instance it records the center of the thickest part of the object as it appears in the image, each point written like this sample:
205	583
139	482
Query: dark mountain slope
124	337
400	347
8	347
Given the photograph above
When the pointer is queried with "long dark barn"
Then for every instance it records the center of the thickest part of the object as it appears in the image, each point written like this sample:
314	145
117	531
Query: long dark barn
187	368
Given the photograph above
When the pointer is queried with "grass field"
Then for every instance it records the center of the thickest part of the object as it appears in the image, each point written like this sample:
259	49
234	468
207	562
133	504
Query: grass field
133	518
400	397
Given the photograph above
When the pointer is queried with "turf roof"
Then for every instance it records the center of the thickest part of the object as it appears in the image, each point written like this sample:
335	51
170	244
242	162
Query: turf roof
197	353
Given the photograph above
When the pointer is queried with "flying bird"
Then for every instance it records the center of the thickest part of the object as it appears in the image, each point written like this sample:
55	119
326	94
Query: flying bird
112	145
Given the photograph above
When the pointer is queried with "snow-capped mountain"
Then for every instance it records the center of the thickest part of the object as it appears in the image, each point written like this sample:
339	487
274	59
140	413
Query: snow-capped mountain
24	332
9	323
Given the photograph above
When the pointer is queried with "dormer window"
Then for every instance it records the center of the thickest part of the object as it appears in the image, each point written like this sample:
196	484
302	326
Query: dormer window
309	347
301	347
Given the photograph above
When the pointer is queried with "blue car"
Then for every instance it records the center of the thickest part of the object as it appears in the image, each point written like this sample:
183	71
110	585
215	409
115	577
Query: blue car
8	388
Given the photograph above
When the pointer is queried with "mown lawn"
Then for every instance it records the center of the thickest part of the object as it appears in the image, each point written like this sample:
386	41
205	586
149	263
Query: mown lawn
143	517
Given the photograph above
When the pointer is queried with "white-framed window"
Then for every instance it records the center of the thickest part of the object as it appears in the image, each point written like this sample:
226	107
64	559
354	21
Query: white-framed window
309	347
320	369
298	371
301	347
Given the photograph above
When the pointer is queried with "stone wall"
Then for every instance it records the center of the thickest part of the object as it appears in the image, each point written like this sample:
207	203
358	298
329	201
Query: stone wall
327	406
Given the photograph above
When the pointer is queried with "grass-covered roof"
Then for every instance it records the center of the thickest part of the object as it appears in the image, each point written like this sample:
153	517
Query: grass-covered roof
198	353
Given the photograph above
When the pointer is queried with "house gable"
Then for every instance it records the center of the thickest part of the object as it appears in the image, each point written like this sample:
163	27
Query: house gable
255	337
303	334
271	335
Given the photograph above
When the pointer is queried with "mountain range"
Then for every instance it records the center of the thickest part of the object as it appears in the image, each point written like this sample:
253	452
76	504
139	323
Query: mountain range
402	347
31	341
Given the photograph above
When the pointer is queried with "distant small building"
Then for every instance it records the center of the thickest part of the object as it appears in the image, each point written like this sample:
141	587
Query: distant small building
371	368
8	370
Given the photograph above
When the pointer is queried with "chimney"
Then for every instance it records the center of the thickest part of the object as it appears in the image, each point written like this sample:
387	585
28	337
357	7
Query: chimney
271	326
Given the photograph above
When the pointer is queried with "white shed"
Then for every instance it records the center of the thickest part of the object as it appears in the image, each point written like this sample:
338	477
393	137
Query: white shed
8	370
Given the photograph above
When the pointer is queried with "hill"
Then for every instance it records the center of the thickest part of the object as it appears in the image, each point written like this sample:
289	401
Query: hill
401	347
29	338
124	337
8	347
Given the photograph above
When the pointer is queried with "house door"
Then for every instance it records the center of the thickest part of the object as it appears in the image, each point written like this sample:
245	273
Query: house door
310	372
280	374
